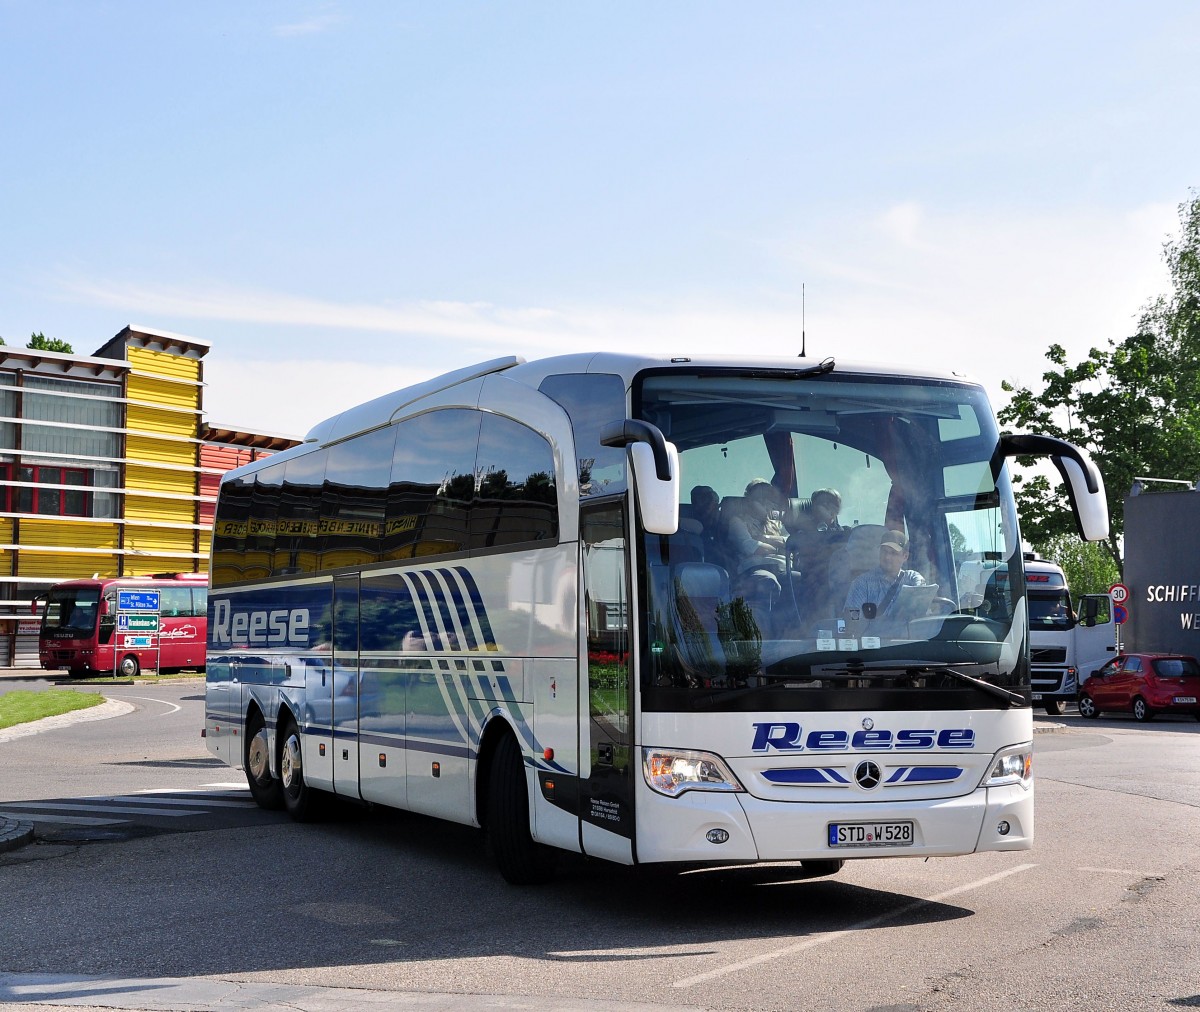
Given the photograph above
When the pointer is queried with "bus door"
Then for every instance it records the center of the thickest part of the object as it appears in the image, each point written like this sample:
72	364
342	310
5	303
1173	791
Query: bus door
607	765
345	684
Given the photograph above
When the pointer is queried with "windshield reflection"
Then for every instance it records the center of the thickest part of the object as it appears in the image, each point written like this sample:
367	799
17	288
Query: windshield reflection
828	522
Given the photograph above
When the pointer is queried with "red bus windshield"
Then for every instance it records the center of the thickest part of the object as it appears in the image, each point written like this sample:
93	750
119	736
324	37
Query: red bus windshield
72	609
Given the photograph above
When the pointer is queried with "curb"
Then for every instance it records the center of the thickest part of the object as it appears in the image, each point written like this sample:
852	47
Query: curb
14	834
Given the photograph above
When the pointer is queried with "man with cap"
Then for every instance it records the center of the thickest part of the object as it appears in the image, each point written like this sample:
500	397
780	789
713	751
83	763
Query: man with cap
880	586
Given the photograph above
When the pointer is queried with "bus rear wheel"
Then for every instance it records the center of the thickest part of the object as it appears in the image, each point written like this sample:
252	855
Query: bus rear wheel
521	861
299	799
129	666
264	788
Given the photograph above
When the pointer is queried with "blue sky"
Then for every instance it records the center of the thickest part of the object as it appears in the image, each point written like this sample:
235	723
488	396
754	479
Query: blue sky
347	197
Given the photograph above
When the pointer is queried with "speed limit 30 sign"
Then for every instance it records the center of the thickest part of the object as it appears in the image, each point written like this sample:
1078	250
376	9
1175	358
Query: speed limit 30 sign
1119	593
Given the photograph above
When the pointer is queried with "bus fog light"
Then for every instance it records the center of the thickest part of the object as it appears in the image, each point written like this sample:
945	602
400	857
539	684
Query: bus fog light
673	771
1003	828
717	835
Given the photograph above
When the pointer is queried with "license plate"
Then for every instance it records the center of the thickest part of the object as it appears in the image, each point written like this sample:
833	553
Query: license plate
1037	696
1185	699
870	834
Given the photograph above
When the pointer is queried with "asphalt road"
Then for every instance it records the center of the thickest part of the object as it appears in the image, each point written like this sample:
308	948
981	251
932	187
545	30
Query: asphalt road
242	907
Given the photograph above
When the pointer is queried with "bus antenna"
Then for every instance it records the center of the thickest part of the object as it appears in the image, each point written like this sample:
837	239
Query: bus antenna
802	338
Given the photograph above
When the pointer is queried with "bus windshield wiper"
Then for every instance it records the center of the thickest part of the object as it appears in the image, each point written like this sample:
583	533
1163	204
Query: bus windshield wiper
900	669
862	669
724	695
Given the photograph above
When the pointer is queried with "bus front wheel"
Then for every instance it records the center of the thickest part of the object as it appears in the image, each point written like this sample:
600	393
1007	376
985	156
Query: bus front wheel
1056	707
521	861
822	867
264	788
129	666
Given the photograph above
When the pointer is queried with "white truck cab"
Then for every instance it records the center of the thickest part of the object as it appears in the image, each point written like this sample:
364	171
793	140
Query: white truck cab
1066	644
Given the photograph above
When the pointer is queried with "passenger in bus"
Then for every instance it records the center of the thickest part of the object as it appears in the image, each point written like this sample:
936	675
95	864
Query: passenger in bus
755	541
706	512
706	506
819	514
83	616
815	534
874	594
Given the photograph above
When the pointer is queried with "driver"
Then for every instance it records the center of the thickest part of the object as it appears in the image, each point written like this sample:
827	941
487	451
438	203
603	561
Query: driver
880	586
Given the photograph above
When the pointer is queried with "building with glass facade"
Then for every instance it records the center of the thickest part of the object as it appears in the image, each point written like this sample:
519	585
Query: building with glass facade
107	467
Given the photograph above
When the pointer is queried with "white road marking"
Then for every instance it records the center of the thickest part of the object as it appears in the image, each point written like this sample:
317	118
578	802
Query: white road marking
150	801
229	791
55	806
62	820
175	707
830	936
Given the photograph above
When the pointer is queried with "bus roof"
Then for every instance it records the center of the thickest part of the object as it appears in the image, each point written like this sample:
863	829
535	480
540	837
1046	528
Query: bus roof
379	412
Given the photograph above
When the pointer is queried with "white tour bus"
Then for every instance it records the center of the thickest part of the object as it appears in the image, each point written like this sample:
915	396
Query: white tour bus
490	598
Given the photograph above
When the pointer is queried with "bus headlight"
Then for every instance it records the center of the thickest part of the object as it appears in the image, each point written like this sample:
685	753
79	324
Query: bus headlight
1012	765
673	771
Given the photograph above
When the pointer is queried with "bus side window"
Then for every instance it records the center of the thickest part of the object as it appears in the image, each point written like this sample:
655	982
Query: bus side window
355	499
199	601
298	520
229	530
175	601
517	499
432	484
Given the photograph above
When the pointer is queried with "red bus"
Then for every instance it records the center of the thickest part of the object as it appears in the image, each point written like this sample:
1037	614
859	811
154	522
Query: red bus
108	624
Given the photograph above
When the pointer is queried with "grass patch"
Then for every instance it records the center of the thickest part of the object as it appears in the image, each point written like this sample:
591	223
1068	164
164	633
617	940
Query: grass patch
21	706
145	678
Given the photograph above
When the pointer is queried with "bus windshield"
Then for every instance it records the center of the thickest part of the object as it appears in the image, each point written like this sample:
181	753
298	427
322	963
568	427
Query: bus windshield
836	537
71	610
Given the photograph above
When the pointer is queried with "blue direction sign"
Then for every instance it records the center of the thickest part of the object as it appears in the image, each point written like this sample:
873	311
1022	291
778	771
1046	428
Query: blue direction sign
1120	614
138	600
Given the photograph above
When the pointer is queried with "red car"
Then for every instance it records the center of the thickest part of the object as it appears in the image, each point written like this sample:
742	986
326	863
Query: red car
1145	684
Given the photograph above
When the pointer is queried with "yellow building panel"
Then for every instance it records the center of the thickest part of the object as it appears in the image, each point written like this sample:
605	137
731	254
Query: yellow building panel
65	565
161	391
157	479
147	565
160	451
155	510
163	363
69	534
171	423
157	539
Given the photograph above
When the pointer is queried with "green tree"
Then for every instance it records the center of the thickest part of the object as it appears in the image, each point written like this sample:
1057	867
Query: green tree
40	342
1088	567
1135	405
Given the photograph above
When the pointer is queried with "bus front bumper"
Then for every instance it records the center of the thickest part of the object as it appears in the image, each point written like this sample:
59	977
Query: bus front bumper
707	826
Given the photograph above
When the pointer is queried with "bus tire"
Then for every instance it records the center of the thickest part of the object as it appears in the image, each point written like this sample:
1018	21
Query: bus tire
129	666
1056	707
266	790
299	799
830	866
521	861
